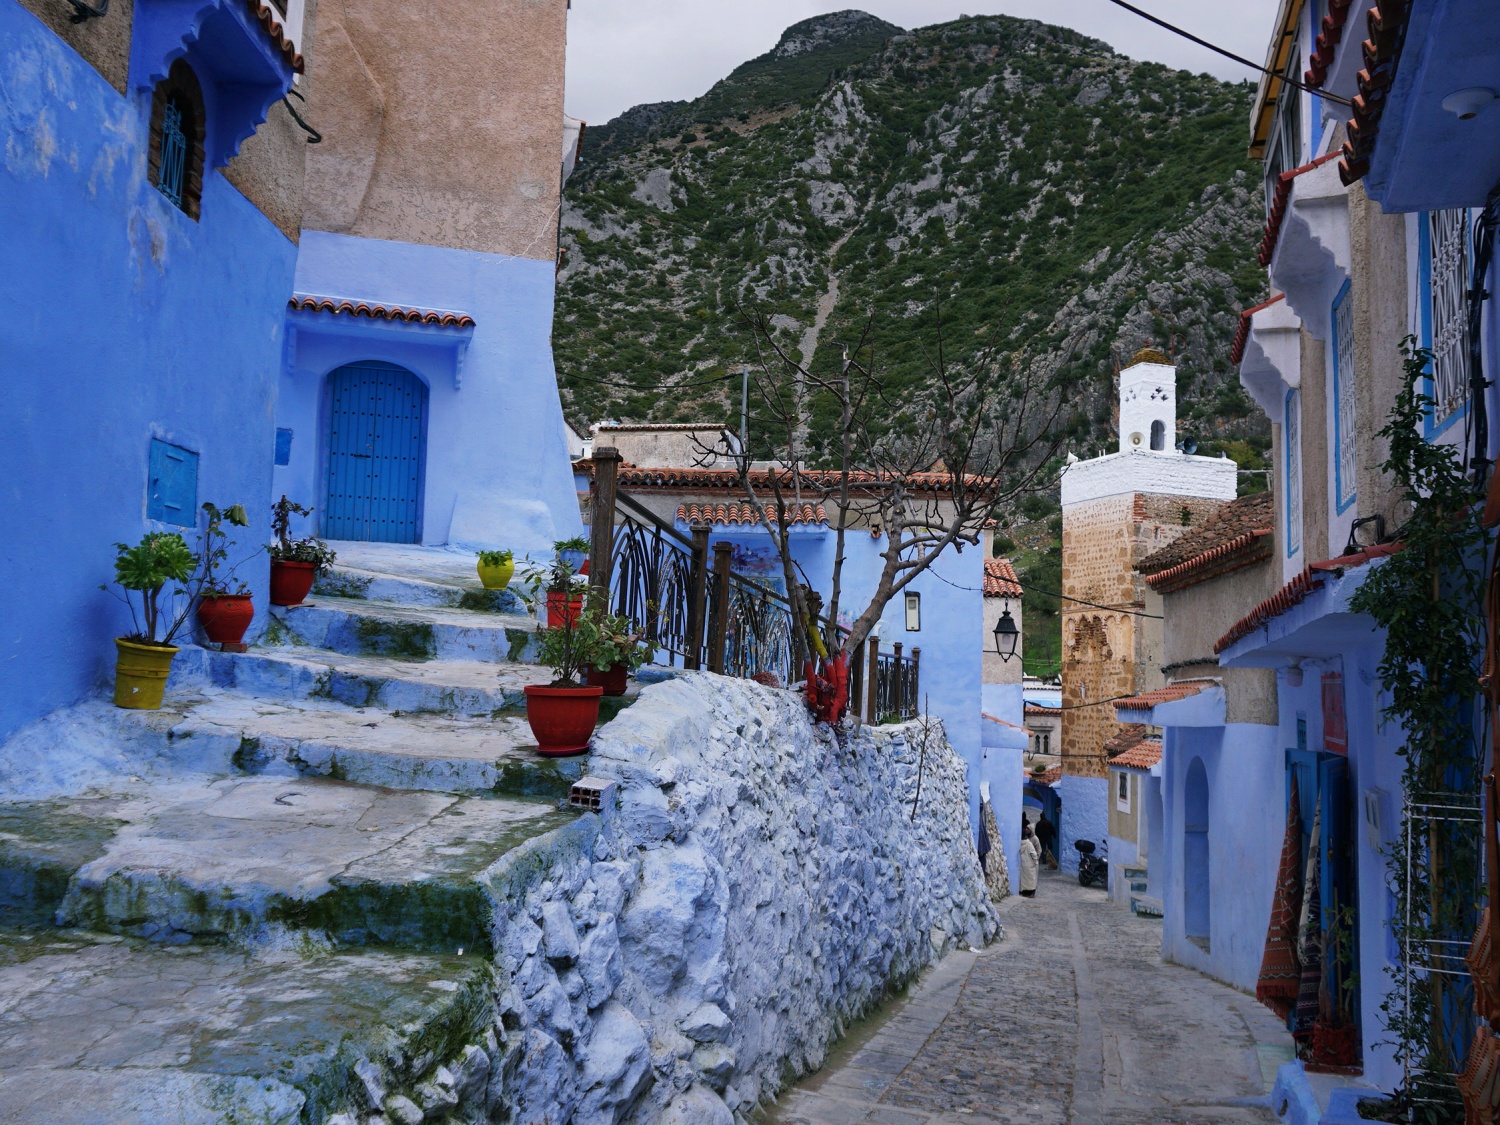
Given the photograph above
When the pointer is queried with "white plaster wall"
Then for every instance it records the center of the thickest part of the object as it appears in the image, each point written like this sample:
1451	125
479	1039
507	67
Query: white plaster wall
1148	393
757	887
1165	474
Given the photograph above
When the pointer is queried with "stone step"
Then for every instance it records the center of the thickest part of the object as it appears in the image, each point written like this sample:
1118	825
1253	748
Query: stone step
100	1030
250	857
341	581
1133	870
1146	906
368	628
450	687
318	737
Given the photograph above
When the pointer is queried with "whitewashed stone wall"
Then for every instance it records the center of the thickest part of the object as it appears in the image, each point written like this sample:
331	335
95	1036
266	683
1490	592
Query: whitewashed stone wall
756	888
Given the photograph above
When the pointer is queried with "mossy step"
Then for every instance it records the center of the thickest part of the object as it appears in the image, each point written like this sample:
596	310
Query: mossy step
244	858
493	754
450	687
367	628
341	581
102	1030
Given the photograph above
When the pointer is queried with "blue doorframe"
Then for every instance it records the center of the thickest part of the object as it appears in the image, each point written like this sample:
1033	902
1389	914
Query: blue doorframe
377	453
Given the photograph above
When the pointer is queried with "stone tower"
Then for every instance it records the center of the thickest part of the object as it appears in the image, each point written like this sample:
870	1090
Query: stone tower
1116	510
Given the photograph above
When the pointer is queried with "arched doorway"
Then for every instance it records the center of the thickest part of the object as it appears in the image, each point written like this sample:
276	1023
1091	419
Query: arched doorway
377	446
1195	865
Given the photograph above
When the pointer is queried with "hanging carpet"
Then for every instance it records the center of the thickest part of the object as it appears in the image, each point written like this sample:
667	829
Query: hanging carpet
1280	968
1310	937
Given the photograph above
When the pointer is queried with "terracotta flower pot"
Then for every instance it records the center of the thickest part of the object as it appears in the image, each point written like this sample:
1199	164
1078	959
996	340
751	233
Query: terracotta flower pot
611	679
562	608
225	617
291	581
141	674
562	718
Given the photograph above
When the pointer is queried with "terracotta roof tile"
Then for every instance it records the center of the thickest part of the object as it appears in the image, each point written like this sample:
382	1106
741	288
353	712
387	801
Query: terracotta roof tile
1003	722
1038	709
1129	737
1050	776
736	514
270	19
683	480
1386	23
1280	202
1146	700
1000	579
1242	333
1327	42
1142	756
377	311
1297	591
1237	535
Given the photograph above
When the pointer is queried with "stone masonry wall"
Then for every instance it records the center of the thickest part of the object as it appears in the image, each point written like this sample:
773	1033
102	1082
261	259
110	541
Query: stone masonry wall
754	888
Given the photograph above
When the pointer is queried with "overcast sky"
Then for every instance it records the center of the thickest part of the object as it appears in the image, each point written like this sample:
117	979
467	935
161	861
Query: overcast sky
624	52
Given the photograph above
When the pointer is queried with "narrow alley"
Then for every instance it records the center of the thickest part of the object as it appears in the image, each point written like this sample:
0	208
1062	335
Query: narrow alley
1073	1019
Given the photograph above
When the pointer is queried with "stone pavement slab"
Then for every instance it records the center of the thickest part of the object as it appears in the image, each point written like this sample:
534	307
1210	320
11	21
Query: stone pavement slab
1073	1019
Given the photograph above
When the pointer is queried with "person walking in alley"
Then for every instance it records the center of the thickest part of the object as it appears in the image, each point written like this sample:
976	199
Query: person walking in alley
1046	835
1031	854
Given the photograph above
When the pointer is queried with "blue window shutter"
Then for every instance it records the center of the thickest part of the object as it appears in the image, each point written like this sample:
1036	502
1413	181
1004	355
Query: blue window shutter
172	490
283	447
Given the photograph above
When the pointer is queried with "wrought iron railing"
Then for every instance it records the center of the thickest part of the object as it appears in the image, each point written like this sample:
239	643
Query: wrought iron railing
701	614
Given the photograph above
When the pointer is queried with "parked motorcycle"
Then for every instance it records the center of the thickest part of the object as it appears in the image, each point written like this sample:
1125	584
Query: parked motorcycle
1092	869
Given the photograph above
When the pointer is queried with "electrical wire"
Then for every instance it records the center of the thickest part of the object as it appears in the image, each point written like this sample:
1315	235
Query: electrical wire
1053	594
1175	30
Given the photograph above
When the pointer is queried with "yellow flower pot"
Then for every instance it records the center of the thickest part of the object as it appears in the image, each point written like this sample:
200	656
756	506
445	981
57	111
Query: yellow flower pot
141	674
496	577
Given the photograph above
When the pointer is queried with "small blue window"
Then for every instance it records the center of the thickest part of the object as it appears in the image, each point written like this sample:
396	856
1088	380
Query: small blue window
283	447
171	176
172	491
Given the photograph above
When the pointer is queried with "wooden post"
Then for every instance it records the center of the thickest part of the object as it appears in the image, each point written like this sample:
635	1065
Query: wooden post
916	681
718	633
602	519
697	600
857	683
873	663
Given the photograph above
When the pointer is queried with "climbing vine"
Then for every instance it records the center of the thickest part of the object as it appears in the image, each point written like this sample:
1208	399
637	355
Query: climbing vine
1427	598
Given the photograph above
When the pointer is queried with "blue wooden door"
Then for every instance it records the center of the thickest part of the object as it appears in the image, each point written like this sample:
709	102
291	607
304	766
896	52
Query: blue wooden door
377	437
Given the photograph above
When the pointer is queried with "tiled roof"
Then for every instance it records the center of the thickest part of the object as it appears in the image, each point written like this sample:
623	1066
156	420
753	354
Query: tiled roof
270	19
1038	709
1142	756
1237	535
681	480
1297	590
656	427
1182	689
1327	42
1000	579
1280	202
1050	776
381	312
732	514
1129	737
1386	23
1242	334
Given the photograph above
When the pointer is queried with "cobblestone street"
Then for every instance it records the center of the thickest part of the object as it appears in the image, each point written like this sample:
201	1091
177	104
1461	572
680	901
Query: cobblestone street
1073	1019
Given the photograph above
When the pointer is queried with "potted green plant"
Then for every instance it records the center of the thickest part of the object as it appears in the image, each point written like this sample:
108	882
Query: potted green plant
143	658
620	650
560	583
496	569
576	551
563	714
295	563
225	609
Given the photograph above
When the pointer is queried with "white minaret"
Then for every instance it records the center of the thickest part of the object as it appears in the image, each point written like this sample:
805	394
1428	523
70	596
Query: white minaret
1148	404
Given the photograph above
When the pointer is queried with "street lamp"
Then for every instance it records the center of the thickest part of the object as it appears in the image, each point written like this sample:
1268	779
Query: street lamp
1006	636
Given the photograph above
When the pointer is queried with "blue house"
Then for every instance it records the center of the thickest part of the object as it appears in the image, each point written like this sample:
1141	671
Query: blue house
149	186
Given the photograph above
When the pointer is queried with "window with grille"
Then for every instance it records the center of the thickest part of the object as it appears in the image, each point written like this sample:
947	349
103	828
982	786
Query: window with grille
1292	438
1447	310
1346	463
176	156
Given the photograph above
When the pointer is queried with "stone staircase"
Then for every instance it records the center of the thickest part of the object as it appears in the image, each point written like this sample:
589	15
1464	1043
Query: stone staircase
1140	902
295	918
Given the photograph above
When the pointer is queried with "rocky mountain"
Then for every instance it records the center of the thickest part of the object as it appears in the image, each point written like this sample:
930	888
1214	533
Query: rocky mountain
1018	177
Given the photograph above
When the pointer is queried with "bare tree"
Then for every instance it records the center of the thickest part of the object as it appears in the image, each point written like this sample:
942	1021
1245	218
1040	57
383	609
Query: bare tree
925	473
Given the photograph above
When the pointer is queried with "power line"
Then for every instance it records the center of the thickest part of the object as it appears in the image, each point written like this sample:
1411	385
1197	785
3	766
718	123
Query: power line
1052	594
1175	30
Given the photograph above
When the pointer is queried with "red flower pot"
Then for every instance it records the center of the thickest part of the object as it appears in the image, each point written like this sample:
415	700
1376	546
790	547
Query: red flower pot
562	609
562	718
291	581
225	617
611	679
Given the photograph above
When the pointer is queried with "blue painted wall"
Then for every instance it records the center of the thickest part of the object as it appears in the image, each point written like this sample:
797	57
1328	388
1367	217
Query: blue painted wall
497	472
1002	765
125	320
1085	816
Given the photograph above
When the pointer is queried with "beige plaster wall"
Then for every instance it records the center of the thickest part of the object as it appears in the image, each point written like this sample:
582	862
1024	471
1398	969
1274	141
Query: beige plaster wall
442	123
1126	825
992	669
1316	467
1199	615
104	42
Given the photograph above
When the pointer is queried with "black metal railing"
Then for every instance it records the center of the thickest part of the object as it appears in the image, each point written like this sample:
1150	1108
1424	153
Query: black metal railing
701	614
